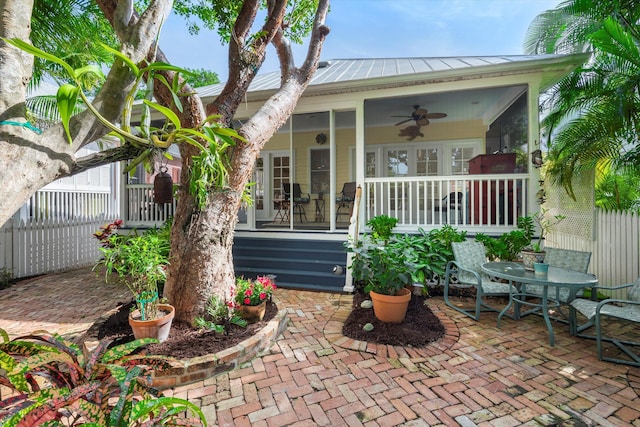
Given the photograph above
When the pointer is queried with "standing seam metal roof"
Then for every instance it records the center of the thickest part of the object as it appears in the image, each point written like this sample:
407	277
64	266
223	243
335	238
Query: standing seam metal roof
345	70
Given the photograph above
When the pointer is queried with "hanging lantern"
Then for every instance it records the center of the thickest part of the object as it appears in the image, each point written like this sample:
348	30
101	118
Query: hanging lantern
536	158
163	187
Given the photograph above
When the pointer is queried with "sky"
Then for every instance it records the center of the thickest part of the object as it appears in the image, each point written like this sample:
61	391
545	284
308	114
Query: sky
384	29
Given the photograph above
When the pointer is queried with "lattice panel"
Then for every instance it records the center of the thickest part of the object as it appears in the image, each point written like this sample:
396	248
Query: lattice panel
579	219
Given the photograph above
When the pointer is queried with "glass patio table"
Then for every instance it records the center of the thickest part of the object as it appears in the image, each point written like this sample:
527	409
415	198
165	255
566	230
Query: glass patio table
516	274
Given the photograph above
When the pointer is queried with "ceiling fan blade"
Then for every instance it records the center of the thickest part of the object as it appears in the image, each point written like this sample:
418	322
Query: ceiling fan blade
404	121
423	121
436	115
420	112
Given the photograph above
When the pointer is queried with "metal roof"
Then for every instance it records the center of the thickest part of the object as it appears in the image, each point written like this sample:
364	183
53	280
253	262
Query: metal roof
345	71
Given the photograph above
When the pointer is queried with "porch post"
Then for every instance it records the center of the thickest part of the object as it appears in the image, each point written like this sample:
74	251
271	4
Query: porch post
534	144
359	174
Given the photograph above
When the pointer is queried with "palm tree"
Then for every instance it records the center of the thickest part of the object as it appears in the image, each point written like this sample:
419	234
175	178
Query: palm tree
71	30
593	113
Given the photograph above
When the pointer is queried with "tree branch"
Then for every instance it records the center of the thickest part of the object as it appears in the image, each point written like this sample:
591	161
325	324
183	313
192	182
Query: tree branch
105	157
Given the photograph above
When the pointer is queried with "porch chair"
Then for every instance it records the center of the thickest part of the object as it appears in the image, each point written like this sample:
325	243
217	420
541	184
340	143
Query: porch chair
345	200
469	257
299	199
596	311
453	202
563	258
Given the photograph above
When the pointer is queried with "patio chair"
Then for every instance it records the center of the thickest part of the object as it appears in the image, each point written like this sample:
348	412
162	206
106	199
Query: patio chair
345	200
597	311
469	257
563	258
299	199
453	202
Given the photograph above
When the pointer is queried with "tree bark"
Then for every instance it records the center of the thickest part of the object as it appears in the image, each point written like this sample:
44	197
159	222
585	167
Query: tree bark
202	241
32	160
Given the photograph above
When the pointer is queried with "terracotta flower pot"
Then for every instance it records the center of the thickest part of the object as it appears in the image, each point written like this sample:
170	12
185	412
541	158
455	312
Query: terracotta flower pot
253	313
391	308
156	328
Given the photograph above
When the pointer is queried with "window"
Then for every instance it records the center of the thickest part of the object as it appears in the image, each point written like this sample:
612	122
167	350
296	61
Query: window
460	157
320	177
427	162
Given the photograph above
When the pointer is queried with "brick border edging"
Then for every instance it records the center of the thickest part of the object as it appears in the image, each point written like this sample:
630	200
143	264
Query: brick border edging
187	371
333	334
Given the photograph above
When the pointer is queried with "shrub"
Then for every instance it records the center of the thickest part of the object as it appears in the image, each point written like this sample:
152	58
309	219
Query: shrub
53	381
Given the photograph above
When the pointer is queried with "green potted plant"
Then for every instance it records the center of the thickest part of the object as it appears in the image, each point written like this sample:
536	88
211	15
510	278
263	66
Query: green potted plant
380	263
139	261
534	252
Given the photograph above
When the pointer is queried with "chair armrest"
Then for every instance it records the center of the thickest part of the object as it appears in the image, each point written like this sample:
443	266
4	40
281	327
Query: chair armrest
610	301
459	269
594	289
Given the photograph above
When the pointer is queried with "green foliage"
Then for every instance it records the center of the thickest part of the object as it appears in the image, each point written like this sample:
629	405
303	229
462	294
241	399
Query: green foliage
53	382
221	15
139	261
382	226
199	77
6	276
219	315
209	171
594	112
73	30
387	265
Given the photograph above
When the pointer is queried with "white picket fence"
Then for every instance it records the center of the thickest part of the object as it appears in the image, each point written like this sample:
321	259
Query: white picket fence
615	247
54	230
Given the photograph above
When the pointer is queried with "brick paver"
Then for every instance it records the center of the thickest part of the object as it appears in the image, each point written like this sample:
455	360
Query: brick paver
476	375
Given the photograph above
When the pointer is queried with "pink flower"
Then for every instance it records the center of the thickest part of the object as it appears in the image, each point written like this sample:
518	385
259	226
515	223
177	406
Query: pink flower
247	301
263	296
248	292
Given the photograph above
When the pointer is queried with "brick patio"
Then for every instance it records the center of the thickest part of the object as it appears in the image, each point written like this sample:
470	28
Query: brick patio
477	375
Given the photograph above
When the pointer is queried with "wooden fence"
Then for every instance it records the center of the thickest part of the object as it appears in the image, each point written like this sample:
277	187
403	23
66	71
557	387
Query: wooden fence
615	247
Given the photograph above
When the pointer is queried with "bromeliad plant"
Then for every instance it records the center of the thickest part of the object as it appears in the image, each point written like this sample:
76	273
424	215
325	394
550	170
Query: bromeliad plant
253	292
54	383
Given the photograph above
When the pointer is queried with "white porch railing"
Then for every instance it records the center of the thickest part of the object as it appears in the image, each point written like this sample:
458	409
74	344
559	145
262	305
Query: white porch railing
482	202
141	210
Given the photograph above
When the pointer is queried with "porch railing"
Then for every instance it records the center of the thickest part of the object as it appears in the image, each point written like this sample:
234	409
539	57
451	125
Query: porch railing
484	202
141	210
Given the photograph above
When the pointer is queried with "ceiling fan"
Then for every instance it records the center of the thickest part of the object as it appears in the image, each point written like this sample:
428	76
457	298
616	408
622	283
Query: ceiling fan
421	116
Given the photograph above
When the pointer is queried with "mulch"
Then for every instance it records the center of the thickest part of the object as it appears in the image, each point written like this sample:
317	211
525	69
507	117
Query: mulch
419	327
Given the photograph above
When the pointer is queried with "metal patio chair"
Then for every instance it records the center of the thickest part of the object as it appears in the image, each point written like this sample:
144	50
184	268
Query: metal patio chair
568	259
596	311
469	257
299	199
345	200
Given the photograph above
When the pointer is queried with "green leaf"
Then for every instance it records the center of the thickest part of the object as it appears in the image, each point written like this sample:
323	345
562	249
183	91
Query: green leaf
4	335
175	406
119	351
67	98
174	95
88	69
20	44
133	67
166	112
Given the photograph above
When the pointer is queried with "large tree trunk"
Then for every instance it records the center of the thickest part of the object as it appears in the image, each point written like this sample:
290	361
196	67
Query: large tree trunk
201	261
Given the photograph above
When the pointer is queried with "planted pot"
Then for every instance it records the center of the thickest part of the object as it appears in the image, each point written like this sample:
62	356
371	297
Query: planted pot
253	313
529	257
391	308
157	328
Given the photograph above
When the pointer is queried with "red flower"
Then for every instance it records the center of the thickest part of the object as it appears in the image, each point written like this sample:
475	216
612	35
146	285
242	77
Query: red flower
247	301
263	296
